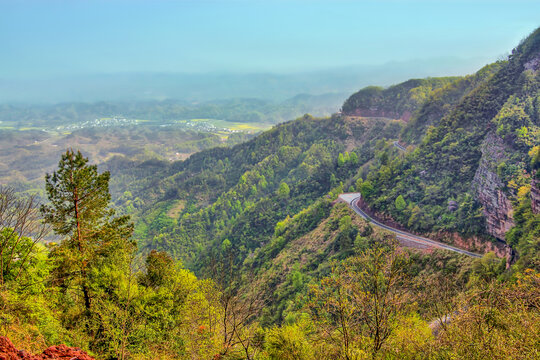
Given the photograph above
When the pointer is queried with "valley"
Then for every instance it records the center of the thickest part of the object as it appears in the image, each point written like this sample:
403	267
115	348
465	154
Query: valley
27	155
34	136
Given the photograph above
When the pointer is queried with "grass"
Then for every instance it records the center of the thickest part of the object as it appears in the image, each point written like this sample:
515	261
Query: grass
176	209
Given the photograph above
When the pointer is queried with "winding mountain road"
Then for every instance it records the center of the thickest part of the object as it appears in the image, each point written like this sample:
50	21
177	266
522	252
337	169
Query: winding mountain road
352	200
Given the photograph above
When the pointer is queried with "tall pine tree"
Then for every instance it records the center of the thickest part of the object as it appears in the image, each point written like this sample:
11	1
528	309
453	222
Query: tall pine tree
95	243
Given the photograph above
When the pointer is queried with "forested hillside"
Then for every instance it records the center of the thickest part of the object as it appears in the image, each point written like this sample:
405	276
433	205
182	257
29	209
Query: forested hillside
396	102
232	195
237	195
245	252
441	101
477	164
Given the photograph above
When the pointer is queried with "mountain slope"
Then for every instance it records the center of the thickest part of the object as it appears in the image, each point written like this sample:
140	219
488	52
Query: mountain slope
441	101
236	195
396	102
478	156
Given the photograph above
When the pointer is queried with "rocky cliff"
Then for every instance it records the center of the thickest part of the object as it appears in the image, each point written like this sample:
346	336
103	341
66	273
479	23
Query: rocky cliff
535	196
488	188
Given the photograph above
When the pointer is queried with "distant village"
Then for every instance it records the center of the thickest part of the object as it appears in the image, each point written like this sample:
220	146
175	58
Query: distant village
104	122
122	121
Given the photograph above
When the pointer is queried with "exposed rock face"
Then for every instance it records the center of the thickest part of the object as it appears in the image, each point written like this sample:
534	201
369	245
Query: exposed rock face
535	196
376	112
9	352
475	244
533	64
487	187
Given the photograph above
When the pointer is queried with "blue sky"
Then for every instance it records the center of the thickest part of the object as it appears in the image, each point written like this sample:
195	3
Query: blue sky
57	38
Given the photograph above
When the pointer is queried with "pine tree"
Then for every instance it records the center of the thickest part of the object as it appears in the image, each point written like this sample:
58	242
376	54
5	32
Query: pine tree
92	237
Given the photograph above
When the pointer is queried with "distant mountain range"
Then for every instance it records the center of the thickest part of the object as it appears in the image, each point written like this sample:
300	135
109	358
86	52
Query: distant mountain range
211	86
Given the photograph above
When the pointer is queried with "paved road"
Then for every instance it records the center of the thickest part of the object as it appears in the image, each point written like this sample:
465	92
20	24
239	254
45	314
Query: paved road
396	144
353	198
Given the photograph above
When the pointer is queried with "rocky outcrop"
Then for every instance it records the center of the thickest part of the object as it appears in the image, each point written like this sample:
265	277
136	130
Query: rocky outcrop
533	64
475	244
487	187
9	352
376	112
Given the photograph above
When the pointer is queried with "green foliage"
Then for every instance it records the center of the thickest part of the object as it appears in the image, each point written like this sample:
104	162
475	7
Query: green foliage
361	300
241	193
394	101
441	101
289	343
284	190
400	203
341	160
366	189
93	257
353	158
525	235
225	245
495	322
159	266
488	268
86	291
23	251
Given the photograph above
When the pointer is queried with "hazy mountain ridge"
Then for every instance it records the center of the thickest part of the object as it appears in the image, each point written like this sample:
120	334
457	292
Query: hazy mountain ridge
209	86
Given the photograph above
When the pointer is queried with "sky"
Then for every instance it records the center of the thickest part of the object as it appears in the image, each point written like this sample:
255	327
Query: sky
49	38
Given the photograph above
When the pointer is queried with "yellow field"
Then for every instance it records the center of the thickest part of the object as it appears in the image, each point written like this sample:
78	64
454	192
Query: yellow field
230	125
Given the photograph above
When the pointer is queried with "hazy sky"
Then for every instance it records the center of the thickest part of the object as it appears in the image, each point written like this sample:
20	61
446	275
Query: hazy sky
51	38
